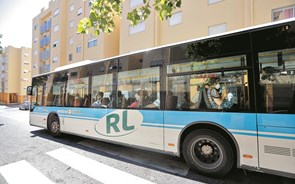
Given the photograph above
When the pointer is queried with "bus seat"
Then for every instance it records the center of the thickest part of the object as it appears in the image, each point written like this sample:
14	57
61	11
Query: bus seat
171	102
206	100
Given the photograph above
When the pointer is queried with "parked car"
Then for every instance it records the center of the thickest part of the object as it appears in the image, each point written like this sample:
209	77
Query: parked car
24	106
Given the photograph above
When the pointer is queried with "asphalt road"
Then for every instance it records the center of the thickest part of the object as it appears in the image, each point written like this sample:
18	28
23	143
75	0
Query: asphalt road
29	154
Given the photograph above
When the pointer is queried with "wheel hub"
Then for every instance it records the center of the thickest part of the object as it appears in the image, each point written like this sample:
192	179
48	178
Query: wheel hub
54	126
206	150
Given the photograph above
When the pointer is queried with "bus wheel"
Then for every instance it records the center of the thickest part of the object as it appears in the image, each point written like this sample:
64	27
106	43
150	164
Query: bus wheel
54	126
208	152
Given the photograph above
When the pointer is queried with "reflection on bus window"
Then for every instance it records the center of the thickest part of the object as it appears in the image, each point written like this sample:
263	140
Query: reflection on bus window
277	81
101	91
140	87
77	90
225	91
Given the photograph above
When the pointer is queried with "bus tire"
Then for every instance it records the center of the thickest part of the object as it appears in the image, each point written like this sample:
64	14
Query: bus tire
208	153
54	126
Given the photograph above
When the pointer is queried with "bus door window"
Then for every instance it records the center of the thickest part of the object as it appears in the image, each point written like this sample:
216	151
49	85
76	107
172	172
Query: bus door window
277	81
39	88
77	88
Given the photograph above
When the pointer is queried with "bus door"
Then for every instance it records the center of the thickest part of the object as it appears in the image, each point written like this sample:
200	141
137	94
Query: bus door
276	125
37	106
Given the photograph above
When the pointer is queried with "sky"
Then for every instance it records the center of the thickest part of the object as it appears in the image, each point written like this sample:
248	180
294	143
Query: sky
16	17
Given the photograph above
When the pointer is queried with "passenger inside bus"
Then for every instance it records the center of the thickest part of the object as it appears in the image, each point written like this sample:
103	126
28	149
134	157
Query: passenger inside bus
141	99
118	101
98	100
218	97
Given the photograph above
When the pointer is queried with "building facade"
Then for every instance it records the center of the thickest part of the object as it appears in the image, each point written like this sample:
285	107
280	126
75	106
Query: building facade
198	19
55	41
15	74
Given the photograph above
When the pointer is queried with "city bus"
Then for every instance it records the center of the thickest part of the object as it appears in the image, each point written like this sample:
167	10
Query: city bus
220	102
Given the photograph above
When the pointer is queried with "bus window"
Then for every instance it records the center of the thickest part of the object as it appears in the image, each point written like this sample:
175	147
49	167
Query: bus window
101	91
225	91
141	88
77	89
277	81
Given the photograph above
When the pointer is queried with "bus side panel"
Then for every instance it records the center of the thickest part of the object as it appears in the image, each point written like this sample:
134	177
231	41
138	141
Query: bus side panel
277	142
38	117
135	127
241	125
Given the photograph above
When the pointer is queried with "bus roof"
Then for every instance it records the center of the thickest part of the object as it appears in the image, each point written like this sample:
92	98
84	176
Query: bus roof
86	62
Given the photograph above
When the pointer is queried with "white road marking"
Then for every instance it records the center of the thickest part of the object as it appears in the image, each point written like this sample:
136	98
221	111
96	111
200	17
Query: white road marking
22	172
94	169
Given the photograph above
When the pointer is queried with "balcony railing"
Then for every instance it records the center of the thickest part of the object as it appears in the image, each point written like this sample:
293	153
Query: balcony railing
44	69
45	27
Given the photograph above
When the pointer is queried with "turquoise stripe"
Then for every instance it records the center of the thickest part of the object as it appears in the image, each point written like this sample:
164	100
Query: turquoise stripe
156	126
276	136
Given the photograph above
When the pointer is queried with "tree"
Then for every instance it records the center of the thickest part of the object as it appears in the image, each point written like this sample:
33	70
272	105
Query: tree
103	13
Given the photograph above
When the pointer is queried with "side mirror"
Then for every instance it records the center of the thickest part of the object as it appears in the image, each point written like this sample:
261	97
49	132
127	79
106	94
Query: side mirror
29	90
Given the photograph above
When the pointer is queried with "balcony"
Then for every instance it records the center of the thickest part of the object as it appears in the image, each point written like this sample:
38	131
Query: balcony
44	69
45	55
45	27
45	41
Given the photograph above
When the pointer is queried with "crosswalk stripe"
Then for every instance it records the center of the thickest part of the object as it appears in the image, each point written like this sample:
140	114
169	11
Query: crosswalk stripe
94	169
22	172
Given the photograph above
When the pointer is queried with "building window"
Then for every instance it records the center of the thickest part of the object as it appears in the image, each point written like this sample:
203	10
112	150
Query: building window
78	49
71	41
175	19
140	27
55	59
35	52
56	27
71	24
26	62
72	7
216	29
213	1
36	39
79	11
26	71
92	43
35	65
70	57
56	12
283	13
35	27
135	3
55	43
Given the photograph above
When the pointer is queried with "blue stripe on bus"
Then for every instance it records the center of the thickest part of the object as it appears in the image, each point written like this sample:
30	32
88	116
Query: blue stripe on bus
276	136
239	121
180	119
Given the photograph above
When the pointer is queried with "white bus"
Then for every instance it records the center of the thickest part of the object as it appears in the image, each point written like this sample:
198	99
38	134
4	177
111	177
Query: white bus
221	102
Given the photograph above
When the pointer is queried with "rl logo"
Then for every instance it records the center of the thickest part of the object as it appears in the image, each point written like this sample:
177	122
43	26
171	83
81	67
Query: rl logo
119	123
113	120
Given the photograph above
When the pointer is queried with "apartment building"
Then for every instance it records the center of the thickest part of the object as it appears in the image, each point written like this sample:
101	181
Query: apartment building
198	19
55	41
15	74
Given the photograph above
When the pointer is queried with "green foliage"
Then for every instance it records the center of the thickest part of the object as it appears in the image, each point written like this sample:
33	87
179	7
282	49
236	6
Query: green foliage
103	13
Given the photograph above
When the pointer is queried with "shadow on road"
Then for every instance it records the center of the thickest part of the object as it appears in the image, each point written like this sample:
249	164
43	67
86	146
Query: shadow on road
160	162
